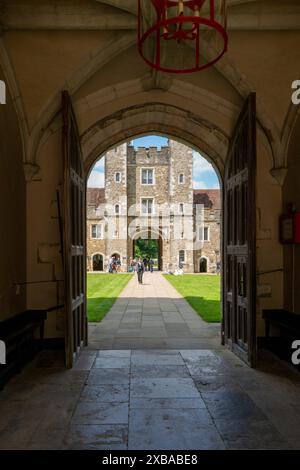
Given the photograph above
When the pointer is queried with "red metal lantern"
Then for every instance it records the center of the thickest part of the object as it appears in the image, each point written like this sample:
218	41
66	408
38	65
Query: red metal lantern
182	36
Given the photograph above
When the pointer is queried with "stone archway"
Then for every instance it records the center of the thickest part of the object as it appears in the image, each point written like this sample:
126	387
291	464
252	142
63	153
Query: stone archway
97	262
203	264
155	118
157	259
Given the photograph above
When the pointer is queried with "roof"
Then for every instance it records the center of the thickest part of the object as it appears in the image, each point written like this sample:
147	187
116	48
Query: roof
209	197
95	196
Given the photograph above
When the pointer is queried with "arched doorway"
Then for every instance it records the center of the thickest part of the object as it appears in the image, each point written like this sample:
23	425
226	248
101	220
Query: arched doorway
148	244
217	157
97	262
203	265
149	249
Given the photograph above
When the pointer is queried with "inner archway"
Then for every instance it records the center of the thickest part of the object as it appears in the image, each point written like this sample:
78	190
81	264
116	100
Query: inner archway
149	249
169	213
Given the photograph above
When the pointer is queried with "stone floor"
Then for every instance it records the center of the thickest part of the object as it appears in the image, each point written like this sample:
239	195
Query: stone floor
139	397
153	316
151	399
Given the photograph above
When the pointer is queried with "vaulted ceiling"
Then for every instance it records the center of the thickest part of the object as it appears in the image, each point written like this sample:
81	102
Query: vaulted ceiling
89	45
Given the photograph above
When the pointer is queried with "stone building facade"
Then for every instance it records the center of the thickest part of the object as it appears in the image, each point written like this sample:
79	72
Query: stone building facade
207	250
148	193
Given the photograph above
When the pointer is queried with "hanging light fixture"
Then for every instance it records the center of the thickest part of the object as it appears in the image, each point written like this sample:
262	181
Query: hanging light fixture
182	36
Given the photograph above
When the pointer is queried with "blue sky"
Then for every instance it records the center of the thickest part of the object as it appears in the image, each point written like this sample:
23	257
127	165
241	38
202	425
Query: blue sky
204	176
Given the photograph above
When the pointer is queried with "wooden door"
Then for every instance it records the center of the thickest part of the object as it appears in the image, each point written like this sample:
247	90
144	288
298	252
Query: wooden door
239	250
74	221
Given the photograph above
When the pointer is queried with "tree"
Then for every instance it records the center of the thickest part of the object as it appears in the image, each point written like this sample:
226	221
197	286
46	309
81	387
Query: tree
146	248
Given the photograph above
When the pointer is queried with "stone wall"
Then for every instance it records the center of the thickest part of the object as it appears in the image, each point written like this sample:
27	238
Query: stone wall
95	246
210	250
291	196
13	214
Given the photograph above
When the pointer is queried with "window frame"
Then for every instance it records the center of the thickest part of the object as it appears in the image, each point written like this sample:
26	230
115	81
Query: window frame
143	198
101	230
184	256
120	177
183	178
153	176
203	239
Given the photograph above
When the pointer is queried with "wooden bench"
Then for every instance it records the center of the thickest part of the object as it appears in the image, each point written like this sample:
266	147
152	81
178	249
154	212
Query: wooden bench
287	325
19	336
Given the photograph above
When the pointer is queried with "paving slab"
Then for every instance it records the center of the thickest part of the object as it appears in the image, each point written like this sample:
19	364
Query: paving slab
171	429
99	412
108	376
163	388
96	437
159	371
107	362
106	393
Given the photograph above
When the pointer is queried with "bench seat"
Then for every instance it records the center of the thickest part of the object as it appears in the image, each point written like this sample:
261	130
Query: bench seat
287	325
20	338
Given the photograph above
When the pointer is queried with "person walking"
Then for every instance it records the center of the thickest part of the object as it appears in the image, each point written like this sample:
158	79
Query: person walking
151	265
111	264
131	265
140	268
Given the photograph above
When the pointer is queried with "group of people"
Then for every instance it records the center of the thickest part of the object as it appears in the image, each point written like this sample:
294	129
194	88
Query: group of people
149	264
140	266
114	265
135	265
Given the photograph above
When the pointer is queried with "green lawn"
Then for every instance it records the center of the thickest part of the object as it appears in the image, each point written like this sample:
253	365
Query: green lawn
102	292
201	292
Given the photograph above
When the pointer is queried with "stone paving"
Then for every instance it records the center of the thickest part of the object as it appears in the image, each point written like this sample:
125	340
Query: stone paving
152	399
153	316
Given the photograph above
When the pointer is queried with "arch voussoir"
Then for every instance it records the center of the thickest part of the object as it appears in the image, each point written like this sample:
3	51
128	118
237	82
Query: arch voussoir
155	118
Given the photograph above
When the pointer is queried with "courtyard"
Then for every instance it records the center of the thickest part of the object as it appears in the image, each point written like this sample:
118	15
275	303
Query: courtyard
153	315
202	292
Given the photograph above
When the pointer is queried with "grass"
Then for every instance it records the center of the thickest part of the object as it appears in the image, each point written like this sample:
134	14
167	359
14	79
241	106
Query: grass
201	292
102	292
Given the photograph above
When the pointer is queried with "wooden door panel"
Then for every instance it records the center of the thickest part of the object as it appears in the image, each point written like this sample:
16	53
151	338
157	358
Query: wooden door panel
239	254
74	235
